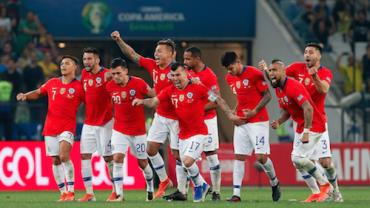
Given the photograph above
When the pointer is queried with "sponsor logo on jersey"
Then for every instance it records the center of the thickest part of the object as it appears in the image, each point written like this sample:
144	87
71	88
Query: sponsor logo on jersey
123	94
91	82
162	77
181	98
238	84
307	81
62	90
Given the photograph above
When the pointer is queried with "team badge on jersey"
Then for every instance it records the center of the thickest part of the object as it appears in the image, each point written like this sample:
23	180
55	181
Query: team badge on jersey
196	79
181	98
62	90
91	82
245	82
189	95
123	94
132	92
71	91
98	80
163	76
307	81
238	84
286	100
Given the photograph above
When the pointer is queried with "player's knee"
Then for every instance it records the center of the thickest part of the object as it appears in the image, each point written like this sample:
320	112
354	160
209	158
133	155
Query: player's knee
108	159
188	162
118	158
326	163
261	158
64	157
297	161
85	156
151	151
56	161
143	163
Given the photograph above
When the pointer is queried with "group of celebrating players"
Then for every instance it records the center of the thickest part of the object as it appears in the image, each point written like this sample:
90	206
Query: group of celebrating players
185	96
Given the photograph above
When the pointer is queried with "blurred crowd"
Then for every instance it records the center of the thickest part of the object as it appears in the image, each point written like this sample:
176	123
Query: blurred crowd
28	57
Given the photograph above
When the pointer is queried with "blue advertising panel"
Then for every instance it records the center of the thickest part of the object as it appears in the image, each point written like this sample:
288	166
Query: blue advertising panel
147	19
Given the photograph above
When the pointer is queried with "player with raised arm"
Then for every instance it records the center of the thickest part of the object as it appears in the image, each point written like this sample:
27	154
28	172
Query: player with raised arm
248	84
65	94
165	124
97	129
129	124
295	102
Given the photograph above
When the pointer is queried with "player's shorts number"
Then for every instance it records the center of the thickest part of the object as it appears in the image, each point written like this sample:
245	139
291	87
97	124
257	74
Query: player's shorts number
140	148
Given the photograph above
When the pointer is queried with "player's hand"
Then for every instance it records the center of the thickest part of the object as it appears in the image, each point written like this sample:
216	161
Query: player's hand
115	35
304	138
312	71
275	124
262	65
236	119
137	102
249	113
21	97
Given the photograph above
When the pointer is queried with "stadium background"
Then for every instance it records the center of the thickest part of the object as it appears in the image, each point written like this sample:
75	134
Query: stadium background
35	33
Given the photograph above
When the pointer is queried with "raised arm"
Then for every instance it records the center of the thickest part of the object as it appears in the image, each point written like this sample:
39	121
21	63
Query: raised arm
321	86
125	48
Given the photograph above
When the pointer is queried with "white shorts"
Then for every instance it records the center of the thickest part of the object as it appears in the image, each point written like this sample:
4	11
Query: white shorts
323	148
192	147
137	144
162	128
252	136
307	149
97	138
52	142
212	142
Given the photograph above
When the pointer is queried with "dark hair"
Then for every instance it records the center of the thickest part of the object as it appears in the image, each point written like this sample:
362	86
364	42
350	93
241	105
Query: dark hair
118	62
73	58
91	50
176	65
228	58
195	51
169	43
315	45
276	61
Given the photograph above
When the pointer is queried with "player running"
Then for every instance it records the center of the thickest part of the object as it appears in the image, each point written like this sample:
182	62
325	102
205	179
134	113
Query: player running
64	96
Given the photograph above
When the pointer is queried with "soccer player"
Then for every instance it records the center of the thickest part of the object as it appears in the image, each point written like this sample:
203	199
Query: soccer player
97	129
317	79
165	122
189	100
129	124
198	70
64	96
295	102
252	93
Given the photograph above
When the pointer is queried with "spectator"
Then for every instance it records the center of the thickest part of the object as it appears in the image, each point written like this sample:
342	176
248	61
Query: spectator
360	27
5	22
304	26
366	68
28	29
322	8
49	68
353	77
295	10
342	16
8	51
322	30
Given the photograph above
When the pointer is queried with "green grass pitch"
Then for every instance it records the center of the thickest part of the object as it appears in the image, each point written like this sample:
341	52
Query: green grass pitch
251	197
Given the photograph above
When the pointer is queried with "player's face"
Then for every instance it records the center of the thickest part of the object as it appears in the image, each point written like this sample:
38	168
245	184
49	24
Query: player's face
119	74
233	69
67	66
275	72
179	77
190	61
311	56
90	60
162	55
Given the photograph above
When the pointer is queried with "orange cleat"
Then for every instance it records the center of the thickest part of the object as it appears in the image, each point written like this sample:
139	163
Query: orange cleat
312	198
87	198
70	196
62	197
324	192
162	188
112	196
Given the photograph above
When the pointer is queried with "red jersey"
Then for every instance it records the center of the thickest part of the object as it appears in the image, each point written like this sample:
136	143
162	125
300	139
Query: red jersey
208	79
189	107
248	87
63	102
291	98
99	109
128	119
299	71
161	79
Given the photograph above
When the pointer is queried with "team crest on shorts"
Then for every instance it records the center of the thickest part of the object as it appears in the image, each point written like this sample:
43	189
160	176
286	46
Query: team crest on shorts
62	90
238	84
132	92
162	77
245	82
71	91
181	98
91	82
307	81
189	95
123	94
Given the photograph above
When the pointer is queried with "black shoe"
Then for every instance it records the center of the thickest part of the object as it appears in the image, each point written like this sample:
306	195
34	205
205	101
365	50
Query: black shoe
176	196
276	193
216	196
149	196
234	198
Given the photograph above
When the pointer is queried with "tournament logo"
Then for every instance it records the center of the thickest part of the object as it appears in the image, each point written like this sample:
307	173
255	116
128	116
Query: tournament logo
96	16
181	98
91	82
132	92
245	82
162	77
307	81
238	84
123	94
189	95
71	91
62	90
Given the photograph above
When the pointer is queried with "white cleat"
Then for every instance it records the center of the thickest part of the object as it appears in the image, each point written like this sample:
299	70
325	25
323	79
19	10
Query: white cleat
337	196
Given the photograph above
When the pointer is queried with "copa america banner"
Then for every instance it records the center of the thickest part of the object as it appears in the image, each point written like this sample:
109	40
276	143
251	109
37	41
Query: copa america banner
147	19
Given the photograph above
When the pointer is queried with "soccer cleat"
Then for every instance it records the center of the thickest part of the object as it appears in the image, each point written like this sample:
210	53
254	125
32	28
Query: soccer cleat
70	196
149	196
234	198
62	197
198	194
337	196
162	188
324	192
216	196
312	198
176	196
117	199
276	193
205	190
87	198
112	196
